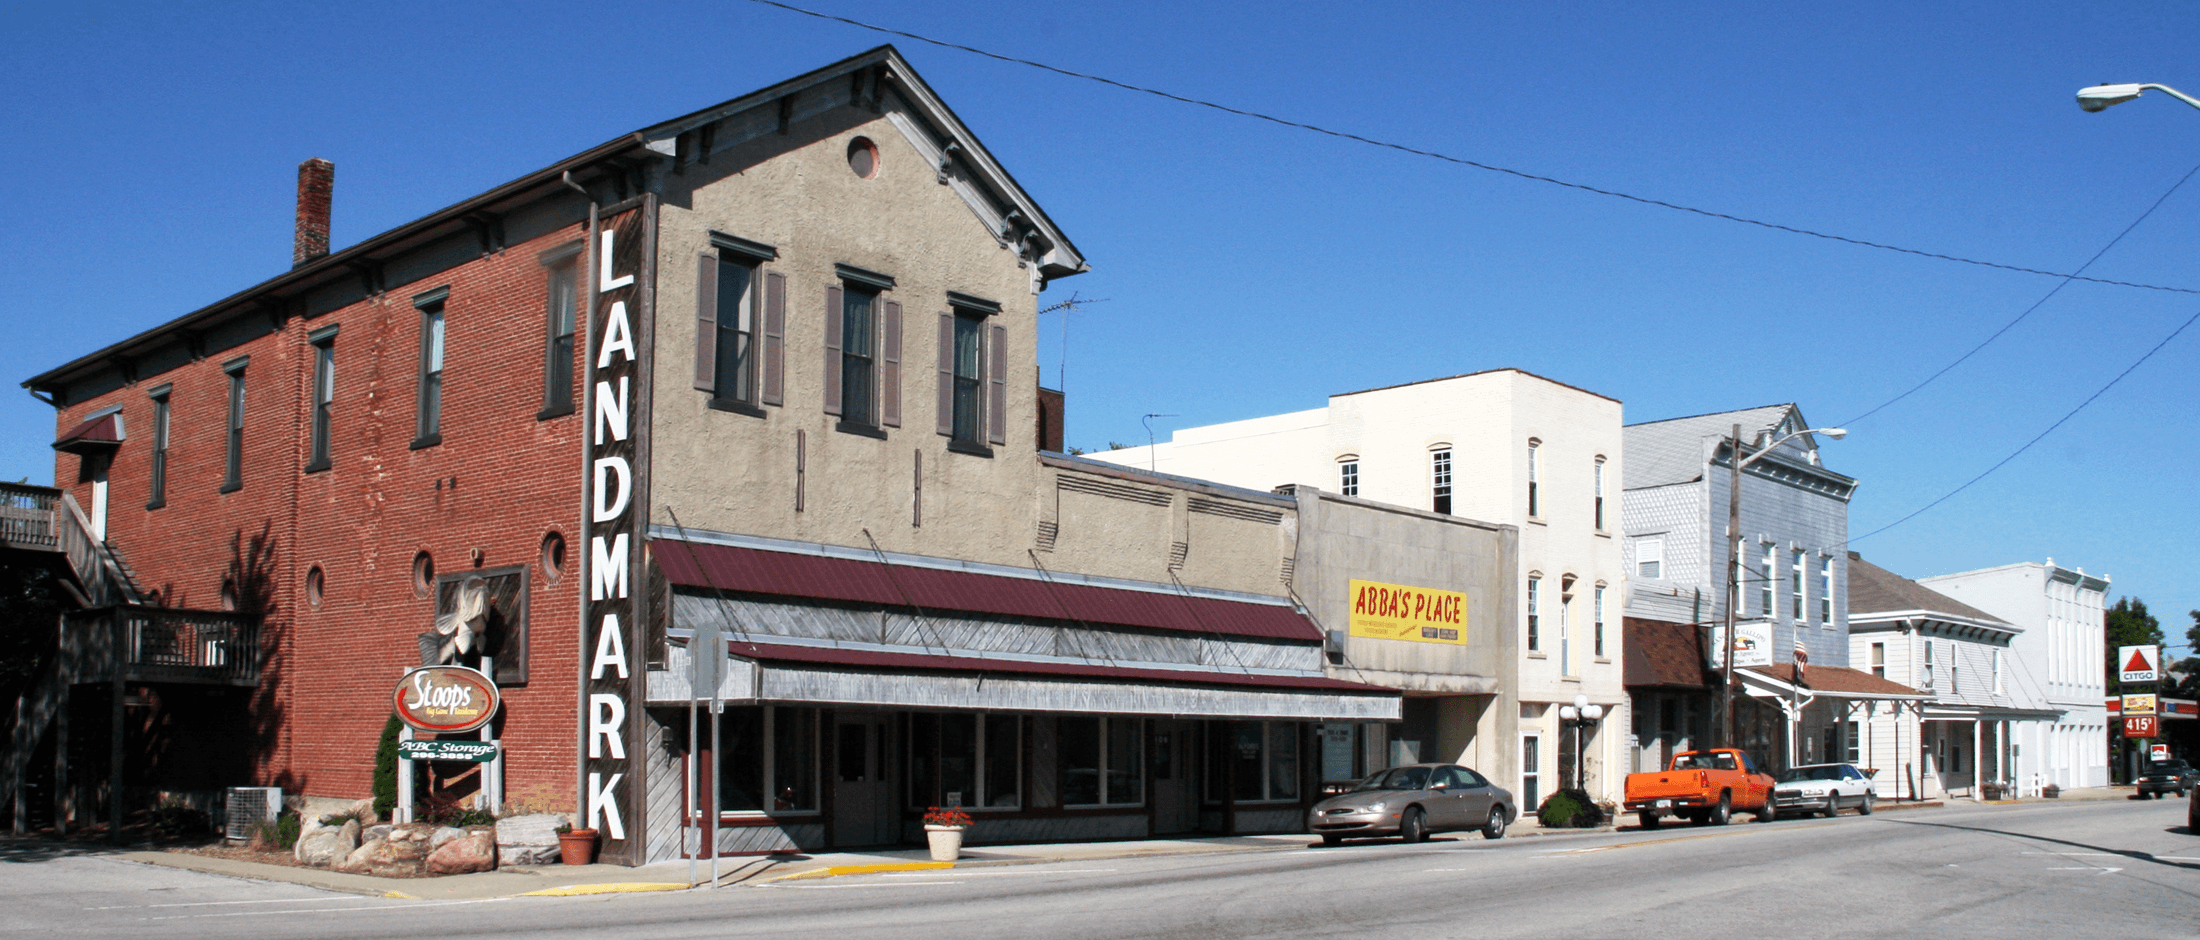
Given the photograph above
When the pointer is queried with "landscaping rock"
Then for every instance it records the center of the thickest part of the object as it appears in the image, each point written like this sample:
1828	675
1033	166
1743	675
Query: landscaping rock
444	834
402	854
528	840
363	810
358	862
373	831
472	851
327	845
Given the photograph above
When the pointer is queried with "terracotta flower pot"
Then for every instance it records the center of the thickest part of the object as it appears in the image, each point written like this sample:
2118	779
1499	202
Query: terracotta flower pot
577	847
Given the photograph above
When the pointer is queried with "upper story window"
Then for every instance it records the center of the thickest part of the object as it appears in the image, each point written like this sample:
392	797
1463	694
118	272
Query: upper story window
1825	589
741	325
322	397
1795	575
157	481
1928	673
1348	477
428	411
862	352
1440	480
1534	507
1650	556
1879	660
1998	688
1535	613
561	314
973	362
233	474
1766	583
1600	494
1599	612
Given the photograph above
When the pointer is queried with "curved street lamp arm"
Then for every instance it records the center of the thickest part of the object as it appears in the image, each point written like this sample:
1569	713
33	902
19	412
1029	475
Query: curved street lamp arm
2174	93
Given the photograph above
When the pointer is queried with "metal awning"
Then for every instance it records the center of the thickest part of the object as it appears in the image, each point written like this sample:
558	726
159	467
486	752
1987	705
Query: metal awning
778	673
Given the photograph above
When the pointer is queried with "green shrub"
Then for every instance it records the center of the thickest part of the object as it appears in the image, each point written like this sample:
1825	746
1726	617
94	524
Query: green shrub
281	834
1569	809
385	770
444	811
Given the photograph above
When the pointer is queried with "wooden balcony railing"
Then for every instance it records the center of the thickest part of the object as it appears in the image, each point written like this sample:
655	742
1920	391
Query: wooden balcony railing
160	644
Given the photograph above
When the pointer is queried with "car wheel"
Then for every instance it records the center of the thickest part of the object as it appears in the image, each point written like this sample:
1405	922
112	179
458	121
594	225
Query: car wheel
1833	805
1865	808
1495	827
1724	812
1414	827
1650	820
1769	812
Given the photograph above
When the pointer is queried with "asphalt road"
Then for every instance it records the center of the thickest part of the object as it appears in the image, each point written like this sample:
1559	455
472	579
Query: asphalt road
2102	869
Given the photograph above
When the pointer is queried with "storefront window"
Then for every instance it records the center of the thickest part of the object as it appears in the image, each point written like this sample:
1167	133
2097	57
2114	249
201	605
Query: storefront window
1090	746
759	744
970	760
1262	759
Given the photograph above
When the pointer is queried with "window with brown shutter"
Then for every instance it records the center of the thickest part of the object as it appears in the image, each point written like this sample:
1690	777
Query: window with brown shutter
775	338
732	310
996	419
856	346
970	361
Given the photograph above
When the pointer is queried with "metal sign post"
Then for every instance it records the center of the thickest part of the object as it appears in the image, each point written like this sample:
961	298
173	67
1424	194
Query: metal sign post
707	667
714	651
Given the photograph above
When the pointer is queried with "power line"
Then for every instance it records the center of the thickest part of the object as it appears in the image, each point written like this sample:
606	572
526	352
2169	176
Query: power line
1462	161
2037	437
2065	282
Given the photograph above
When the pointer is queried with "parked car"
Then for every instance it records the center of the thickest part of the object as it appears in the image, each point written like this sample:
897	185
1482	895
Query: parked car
2167	776
2192	812
1822	788
1704	787
1413	801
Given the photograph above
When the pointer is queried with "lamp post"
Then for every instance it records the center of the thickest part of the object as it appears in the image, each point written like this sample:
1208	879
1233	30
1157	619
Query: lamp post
2100	97
1735	462
1579	713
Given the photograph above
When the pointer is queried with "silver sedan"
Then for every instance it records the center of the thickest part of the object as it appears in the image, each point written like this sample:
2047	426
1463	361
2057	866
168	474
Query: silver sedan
1413	801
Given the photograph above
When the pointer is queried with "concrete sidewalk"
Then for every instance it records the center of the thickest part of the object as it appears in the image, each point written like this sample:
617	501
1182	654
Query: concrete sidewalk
555	880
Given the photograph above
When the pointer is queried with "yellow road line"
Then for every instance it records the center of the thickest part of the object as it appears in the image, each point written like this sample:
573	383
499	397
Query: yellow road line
613	888
837	870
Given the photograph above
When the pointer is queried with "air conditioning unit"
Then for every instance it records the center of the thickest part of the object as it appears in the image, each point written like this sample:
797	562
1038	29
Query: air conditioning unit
249	807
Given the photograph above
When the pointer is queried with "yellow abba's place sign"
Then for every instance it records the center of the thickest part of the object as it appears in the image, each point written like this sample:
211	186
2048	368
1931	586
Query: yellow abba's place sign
2139	705
1397	612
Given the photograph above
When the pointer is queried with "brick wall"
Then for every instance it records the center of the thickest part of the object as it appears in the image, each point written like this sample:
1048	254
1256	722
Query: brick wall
496	484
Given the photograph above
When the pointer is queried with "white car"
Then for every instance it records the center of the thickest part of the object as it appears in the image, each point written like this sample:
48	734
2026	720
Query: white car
1824	788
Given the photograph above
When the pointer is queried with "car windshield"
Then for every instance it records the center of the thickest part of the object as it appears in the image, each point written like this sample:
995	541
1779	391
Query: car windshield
1819	772
1396	778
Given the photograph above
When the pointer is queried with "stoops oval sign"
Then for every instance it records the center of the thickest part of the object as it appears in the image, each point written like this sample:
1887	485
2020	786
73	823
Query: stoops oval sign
446	699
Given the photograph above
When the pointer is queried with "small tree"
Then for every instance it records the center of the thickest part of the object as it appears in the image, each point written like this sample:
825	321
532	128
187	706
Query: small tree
385	770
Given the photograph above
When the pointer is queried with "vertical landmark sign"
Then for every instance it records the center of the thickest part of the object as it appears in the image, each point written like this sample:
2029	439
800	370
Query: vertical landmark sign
615	521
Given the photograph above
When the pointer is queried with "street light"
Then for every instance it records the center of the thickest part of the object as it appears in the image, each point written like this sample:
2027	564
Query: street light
1580	713
2100	97
1735	463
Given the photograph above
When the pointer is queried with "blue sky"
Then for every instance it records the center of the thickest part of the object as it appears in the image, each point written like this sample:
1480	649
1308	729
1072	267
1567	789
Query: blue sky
1250	269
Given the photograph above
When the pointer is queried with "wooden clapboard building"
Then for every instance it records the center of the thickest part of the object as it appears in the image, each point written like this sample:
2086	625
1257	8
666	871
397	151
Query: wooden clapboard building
770	367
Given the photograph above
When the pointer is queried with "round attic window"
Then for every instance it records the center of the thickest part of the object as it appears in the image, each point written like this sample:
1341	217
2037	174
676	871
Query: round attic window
423	575
316	582
553	555
863	157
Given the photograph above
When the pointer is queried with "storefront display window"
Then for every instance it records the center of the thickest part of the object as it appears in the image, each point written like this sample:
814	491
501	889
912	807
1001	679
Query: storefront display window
1101	761
759	744
1260	759
970	760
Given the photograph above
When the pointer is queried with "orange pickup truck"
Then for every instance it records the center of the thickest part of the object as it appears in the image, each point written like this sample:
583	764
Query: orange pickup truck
1704	787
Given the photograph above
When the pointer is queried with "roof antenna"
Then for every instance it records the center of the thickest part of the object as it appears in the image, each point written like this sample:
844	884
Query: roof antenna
1065	308
1147	420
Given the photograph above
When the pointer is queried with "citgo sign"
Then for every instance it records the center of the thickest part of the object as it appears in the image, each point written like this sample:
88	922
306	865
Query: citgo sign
446	699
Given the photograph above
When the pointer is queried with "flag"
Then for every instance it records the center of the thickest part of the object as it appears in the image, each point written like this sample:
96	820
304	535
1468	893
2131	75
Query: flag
1802	659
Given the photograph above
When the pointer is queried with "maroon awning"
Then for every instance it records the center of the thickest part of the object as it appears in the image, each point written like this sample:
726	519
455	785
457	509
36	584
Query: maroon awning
97	434
871	659
757	571
1664	655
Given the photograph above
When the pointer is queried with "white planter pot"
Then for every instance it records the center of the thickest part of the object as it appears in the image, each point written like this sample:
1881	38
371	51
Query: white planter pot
947	842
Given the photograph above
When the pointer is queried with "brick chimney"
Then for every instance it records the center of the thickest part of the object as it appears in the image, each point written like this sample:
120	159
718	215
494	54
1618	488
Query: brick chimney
316	182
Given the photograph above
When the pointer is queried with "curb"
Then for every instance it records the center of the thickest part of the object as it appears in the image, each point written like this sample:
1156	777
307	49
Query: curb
1892	807
628	887
838	870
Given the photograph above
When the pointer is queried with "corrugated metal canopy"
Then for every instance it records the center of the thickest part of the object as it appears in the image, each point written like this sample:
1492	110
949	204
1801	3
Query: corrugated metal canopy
756	571
101	433
781	652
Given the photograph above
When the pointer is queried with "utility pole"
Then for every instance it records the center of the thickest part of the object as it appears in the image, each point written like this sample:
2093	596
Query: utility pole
1733	582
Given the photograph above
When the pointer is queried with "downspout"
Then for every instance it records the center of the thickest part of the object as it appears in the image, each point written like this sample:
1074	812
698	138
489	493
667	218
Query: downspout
587	287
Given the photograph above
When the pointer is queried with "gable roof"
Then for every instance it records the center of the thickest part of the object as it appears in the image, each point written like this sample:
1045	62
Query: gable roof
1016	217
1876	593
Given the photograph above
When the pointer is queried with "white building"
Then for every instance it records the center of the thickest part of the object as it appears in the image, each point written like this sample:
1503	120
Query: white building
1502	446
2060	610
1981	705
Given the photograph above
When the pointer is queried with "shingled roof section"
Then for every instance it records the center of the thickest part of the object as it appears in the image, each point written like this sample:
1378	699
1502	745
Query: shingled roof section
1671	451
1837	679
1663	655
1875	590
